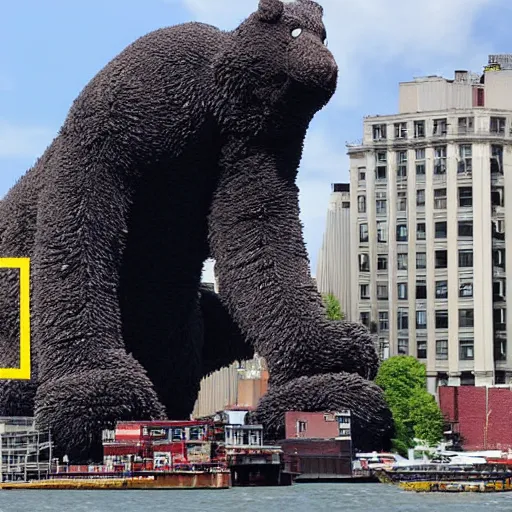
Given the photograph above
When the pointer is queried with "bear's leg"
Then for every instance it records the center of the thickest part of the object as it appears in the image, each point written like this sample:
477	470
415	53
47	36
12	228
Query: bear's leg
87	380
223	340
263	269
371	421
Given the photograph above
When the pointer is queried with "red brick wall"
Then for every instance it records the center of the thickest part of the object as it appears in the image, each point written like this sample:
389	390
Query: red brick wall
484	416
316	425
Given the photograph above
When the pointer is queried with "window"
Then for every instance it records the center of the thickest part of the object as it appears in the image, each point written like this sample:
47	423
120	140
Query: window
403	346
420	197
301	426
466	349
364	291
361	204
382	157
345	204
480	97
441	229
401	157
402	319
500	319
441	259
364	318
441	319
440	127
465	229
380	172
465	197
400	130
364	263
361	172
440	199
500	348
465	162
382	262
402	291
421	260
421	349
379	131
382	291
440	160
466	318
497	196
421	319
421	290
498	258
441	289
382	231
421	231
466	125
363	233
420	162
441	350
498	290
402	261
465	288
401	204
496	159
465	258
383	321
401	232
497	125
419	129
380	203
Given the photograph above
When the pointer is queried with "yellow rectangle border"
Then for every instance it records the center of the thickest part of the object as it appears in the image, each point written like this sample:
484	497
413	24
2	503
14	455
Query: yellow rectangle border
23	372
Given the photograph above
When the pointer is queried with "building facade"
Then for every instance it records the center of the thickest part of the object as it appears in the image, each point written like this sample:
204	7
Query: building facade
431	195
333	265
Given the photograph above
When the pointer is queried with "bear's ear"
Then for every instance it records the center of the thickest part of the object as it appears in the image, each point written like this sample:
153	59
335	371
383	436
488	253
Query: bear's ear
270	11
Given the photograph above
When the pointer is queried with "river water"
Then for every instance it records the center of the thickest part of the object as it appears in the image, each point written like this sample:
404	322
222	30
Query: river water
297	498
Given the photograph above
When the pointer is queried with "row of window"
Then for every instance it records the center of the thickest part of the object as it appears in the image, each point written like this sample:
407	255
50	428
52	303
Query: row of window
464	162
466	319
441	257
466	349
441	290
440	260
464	230
464	197
465	125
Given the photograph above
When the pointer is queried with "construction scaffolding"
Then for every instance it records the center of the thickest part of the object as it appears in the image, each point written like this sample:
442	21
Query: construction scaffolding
25	452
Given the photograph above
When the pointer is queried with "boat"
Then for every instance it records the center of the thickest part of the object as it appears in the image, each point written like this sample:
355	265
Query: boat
448	472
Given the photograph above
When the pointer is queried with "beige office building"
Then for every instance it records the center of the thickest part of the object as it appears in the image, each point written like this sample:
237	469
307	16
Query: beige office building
431	199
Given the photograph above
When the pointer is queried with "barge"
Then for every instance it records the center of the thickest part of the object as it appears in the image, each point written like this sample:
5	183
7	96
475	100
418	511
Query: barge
451	474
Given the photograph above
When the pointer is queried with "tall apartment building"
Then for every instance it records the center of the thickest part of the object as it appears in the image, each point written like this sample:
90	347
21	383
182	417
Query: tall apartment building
333	274
431	195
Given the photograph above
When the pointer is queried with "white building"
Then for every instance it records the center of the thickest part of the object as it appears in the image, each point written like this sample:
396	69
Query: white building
334	265
431	195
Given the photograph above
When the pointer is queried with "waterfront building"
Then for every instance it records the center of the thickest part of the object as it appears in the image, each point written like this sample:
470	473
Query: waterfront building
431	201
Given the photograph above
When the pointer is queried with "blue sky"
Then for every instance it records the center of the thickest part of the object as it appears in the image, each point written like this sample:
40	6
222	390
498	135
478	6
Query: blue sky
49	50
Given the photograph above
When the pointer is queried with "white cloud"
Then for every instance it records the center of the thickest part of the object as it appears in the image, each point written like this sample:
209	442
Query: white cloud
18	141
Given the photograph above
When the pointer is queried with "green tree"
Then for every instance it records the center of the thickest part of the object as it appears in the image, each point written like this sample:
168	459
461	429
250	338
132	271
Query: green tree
415	411
332	305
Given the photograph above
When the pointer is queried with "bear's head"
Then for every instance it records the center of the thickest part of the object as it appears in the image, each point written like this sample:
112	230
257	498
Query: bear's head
278	58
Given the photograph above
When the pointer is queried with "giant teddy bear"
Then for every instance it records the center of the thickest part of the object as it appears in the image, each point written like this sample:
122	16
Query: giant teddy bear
185	146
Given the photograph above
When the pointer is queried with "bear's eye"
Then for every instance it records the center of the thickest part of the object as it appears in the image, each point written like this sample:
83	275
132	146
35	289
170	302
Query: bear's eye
296	32
325	41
